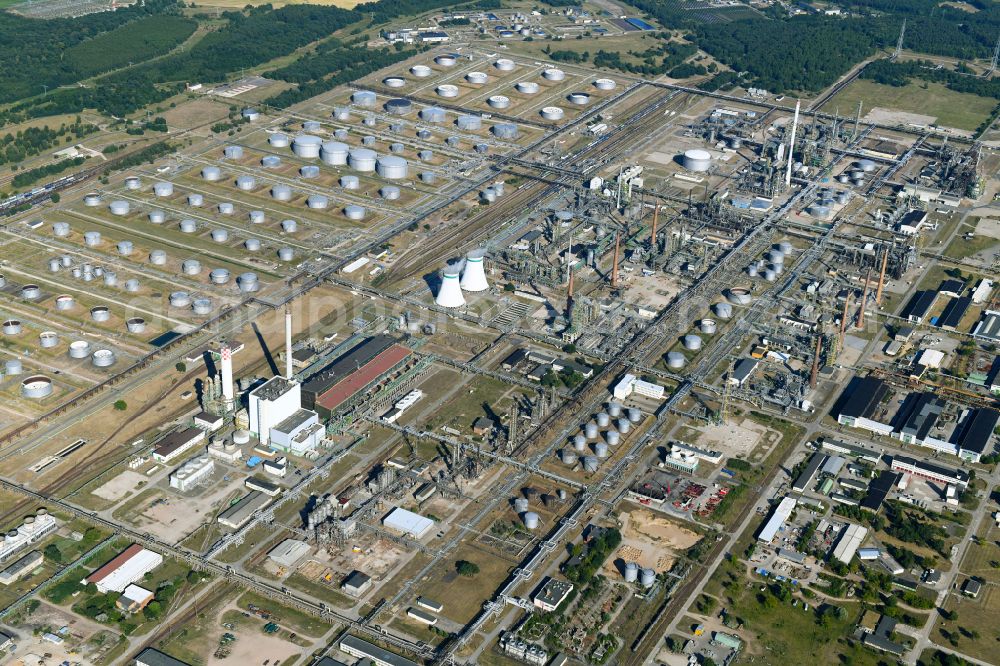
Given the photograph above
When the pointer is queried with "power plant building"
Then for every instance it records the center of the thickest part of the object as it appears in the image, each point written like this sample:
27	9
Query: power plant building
192	473
351	373
21	567
299	434
176	443
31	530
129	566
272	403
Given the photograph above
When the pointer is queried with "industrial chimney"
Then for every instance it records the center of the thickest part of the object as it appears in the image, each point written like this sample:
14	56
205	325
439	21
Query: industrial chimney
474	275
288	343
228	394
450	294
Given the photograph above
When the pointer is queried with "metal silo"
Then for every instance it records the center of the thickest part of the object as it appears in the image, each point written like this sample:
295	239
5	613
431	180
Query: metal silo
613	437
614	409
624	425
520	505
531	520
579	442
590	430
634	415
568	456
603	419
647	577
631	572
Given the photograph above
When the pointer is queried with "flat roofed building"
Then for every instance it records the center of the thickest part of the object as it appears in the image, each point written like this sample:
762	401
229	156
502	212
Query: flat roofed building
356	647
843	448
974	435
954	312
134	598
805	478
430	604
860	402
126	568
421	616
777	520
972	588
31	530
930	471
356	583
919	306
850	540
408	522
208	421
262	485
152	657
270	404
916	418
299	434
176	443
552	593
289	552
988	327
238	514
21	567
743	371
879	489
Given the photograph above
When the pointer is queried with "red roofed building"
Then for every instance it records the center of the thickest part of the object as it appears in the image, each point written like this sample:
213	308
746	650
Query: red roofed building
126	568
328	401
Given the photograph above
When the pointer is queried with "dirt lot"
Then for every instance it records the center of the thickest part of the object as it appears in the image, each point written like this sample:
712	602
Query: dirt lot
650	540
734	440
120	486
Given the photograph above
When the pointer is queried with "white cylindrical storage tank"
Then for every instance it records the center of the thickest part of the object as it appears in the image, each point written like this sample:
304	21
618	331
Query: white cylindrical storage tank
307	146
103	358
785	247
340	134
31	292
195	199
232	152
696	160
427	177
163	189
447	90
317	201
647	577
363	98
389	192
252	244
603	419
270	161
553	74
433	114
394	81
36	387
180	299
738	296
469	122
568	456
770	275
520	505
92	199
157	216
256	217
132	285
605	84
157	257
552	113
250	115
349	182
865	165
311	126
579	98
246	183
278	140
211	173
281	192
590	430
723	310
614	409
590	464
531	520
752	270
634	415
707	326
675	360
579	442
362	159
424	134
12	327
60	229
391	167
499	101
226	208
48	339
692	342
601	449
421	71
125	248
354	212
526	87
191	266
289	226
505	64
286	254
241	437
613	437
445	60
13	366
188	226
624	425
477	78
631	572
399	106
334	153
396	148
65	302
92	238
201	306
368	141
135	325
219	276
54	265
453	141
505	131
481	148
79	349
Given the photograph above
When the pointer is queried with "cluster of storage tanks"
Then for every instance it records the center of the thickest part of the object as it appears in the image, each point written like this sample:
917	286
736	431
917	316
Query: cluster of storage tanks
772	264
522	507
857	173
634	574
591	444
822	207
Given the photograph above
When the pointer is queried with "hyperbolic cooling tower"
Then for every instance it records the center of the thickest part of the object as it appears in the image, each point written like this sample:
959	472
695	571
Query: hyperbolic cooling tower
450	294
474	275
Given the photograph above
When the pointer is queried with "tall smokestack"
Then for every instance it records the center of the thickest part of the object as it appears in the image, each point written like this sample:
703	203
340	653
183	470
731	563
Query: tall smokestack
864	299
652	237
881	277
228	394
569	294
288	343
614	266
791	145
815	368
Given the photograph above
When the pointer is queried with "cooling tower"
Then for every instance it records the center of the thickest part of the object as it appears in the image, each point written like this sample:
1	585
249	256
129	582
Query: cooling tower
450	294
474	275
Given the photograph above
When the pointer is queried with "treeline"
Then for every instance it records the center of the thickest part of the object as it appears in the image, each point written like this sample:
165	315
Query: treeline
147	155
384	11
322	72
28	177
36	140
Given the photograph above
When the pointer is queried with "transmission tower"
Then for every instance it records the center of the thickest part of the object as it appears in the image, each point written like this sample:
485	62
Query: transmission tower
899	42
993	63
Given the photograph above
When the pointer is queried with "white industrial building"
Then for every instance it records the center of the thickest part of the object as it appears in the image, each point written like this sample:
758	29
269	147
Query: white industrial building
300	433
777	520
192	473
224	450
31	530
850	541
289	552
631	384
402	405
270	404
277	467
128	567
408	522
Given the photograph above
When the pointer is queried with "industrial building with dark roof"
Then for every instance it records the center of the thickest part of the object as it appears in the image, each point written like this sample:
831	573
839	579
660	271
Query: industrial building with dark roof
974	436
860	399
917	416
879	489
954	312
351	373
919	306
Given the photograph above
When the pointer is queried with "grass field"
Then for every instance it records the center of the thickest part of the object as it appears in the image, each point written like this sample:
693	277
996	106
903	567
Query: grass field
240	4
952	109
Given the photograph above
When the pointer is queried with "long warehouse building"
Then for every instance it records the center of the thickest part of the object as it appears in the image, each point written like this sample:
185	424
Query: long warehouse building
777	520
338	382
